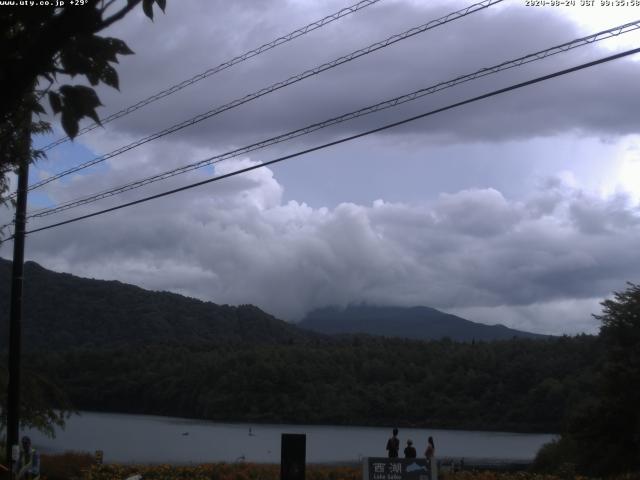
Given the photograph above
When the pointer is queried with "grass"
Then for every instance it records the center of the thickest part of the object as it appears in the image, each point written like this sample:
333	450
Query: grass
222	471
66	466
216	471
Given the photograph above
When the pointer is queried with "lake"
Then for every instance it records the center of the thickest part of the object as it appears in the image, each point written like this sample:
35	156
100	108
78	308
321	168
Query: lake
150	439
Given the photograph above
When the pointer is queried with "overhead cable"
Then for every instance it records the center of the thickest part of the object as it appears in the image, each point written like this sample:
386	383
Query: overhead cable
223	66
276	86
343	140
342	118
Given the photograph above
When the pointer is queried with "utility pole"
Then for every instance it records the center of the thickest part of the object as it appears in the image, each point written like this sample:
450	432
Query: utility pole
15	320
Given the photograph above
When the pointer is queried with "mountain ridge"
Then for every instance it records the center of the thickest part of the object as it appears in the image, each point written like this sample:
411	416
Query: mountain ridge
64	311
416	323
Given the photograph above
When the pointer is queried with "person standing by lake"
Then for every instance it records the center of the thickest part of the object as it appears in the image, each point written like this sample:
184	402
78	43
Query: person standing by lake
393	444
29	462
409	451
430	453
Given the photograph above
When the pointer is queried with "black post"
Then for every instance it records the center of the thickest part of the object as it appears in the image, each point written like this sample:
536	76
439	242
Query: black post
293	455
15	321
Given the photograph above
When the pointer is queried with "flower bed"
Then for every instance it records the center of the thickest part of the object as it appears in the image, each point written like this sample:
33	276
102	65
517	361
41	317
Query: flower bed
249	471
216	471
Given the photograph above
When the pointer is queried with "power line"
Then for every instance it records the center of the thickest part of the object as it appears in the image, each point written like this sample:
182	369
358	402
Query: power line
276	86
342	118
223	66
346	139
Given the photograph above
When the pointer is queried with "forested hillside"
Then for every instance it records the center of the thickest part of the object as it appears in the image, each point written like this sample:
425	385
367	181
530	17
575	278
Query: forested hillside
63	311
524	385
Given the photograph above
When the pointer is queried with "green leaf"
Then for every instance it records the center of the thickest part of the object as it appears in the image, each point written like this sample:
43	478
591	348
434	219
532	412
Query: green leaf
78	102
81	98
162	4
37	108
102	51
74	61
93	77
69	123
55	102
110	76
119	46
93	115
147	7
40	127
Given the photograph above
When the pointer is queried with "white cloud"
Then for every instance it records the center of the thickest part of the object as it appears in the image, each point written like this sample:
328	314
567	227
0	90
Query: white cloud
556	317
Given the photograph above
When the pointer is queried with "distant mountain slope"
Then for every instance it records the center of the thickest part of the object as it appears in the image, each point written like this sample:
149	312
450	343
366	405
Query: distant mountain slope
63	311
421	323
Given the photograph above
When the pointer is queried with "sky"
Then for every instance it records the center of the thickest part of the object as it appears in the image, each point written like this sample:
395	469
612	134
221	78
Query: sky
522	209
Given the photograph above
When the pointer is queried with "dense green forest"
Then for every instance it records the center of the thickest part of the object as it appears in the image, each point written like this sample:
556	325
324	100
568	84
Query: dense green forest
515	385
601	434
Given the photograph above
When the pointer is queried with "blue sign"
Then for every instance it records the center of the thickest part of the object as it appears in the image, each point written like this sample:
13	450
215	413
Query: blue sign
383	468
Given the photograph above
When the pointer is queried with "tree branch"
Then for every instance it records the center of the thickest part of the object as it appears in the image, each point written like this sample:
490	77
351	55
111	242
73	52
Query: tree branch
104	7
120	14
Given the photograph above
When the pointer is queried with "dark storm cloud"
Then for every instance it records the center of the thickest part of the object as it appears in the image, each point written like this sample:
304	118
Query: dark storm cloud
602	101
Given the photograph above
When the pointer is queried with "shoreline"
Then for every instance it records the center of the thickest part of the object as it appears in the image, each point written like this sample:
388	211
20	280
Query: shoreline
266	423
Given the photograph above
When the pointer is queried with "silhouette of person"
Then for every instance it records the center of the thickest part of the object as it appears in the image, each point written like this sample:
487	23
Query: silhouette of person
29	462
393	444
409	451
430	453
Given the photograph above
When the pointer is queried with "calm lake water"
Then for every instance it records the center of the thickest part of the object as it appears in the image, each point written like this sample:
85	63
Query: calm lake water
150	439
